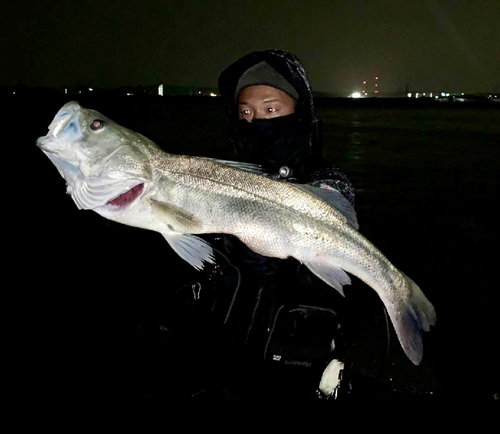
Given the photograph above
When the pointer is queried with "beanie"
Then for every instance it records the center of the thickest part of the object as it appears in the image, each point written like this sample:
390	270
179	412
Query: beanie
264	74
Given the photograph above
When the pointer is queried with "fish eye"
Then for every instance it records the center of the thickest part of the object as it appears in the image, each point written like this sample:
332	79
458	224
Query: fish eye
96	125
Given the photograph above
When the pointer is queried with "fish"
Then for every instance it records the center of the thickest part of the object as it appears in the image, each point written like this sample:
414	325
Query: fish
127	178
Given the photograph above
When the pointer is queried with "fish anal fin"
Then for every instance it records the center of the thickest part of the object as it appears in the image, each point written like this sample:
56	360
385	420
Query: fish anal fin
332	275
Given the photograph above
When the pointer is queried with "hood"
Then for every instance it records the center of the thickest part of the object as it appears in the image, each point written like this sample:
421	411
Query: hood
289	66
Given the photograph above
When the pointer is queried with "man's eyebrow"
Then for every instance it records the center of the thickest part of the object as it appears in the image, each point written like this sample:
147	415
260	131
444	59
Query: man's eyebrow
264	100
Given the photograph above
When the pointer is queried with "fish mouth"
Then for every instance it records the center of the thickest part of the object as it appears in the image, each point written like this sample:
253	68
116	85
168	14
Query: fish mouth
125	199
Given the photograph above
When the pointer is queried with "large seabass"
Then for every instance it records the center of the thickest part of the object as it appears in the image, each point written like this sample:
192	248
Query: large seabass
125	177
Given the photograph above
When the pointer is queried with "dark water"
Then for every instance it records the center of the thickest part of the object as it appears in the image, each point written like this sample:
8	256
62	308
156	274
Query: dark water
427	190
428	183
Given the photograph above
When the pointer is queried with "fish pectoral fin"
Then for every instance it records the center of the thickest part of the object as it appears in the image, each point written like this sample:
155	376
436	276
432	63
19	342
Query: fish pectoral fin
191	248
336	200
174	217
330	274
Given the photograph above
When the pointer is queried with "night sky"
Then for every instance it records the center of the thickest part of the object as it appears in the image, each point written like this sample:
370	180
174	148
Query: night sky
419	45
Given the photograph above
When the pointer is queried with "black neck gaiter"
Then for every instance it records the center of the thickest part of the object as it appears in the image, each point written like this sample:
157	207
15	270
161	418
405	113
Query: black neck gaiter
274	143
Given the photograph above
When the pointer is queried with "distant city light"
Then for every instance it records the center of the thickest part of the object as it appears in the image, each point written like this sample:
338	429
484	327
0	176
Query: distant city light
356	95
430	94
13	93
160	90
409	94
65	90
212	94
91	89
376	91
417	95
364	82
128	94
443	94
376	78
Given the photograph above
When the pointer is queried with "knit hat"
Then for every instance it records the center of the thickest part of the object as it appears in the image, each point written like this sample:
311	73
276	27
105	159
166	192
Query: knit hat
264	74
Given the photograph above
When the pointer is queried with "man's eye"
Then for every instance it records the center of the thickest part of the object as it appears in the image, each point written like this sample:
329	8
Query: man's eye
271	109
245	112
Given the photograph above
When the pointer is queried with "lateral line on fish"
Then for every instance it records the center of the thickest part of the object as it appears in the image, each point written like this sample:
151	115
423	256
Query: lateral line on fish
337	215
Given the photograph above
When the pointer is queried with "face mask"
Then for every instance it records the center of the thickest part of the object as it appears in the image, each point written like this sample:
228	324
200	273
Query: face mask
273	143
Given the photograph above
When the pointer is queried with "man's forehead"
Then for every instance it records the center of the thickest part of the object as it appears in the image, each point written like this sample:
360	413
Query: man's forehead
262	93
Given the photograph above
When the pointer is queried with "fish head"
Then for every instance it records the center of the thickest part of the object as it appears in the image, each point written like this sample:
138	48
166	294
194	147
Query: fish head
103	163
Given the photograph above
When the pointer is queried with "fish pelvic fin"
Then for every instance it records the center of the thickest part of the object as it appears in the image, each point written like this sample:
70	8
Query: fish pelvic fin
191	248
410	318
194	250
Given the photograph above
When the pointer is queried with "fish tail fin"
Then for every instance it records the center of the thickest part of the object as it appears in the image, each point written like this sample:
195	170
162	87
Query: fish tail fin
410	318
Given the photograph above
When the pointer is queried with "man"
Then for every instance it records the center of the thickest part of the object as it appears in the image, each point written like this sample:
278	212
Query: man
282	321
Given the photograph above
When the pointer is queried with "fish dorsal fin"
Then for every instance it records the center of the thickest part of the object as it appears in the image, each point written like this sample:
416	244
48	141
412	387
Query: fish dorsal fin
191	248
330	274
247	167
336	200
177	219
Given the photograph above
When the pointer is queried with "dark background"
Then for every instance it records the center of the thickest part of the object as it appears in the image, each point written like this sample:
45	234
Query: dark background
413	45
79	288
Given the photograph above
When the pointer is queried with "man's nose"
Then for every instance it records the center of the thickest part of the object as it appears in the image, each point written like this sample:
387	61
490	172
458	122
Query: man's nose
260	114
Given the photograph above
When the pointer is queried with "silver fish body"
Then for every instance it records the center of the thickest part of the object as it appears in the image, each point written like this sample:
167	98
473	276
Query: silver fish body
126	178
